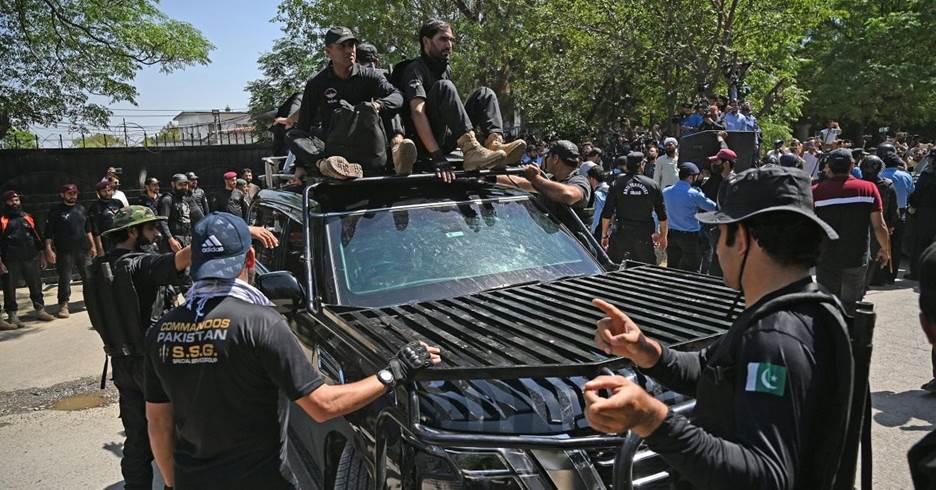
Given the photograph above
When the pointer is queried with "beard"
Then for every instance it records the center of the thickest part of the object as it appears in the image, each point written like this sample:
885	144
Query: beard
671	153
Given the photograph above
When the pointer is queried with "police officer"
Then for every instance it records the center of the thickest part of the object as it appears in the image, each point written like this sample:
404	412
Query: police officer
198	200
230	199
67	243
150	195
922	211
212	398
683	201
344	80
632	200
21	255
101	213
903	184
176	208
437	118
923	453
562	188
773	393
125	297
871	166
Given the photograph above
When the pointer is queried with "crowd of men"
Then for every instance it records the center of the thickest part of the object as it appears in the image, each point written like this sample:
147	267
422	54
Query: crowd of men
73	234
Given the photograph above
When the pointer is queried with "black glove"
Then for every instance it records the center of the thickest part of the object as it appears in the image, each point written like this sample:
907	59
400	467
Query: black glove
411	358
439	162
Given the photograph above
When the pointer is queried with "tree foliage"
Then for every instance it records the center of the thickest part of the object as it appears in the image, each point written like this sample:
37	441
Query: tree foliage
18	139
571	66
56	54
874	62
98	140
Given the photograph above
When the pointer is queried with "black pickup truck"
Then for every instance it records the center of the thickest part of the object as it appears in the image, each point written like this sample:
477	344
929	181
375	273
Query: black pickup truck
487	274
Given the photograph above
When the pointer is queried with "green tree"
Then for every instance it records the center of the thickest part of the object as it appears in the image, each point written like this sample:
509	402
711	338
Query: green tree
574	66
873	64
18	138
98	140
55	54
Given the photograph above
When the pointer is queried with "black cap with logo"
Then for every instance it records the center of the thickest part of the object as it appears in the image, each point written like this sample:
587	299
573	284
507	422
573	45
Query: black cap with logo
339	35
761	190
366	53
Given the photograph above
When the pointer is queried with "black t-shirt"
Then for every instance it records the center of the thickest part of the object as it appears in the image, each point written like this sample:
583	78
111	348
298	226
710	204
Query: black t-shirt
632	200
150	272
224	376
578	208
68	227
101	214
325	91
145	200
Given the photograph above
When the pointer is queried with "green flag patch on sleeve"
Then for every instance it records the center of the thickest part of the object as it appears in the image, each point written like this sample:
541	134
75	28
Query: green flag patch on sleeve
763	377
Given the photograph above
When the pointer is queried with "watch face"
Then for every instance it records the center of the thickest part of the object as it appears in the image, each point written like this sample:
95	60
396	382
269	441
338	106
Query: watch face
385	376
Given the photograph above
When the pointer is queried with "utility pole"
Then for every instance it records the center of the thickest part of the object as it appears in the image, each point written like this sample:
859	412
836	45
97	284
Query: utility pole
126	138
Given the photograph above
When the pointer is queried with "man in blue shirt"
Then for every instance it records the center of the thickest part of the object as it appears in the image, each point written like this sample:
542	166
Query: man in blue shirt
683	201
903	184
691	124
734	120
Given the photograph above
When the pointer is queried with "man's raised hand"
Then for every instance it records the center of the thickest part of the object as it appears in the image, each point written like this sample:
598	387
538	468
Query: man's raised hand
617	334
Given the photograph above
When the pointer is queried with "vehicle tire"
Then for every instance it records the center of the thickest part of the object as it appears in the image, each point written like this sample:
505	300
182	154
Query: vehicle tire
352	473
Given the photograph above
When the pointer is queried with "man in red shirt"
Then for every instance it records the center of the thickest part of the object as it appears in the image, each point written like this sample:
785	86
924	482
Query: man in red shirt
853	208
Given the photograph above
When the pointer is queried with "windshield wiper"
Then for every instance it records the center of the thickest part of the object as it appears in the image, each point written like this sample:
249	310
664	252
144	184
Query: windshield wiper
514	285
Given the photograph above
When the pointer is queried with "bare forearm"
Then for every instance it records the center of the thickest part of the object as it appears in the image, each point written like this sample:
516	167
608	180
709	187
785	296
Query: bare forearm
330	401
516	182
664	228
605	225
162	441
555	191
883	237
183	258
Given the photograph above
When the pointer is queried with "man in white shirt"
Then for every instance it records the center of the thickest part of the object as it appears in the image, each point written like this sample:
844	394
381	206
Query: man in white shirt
666	172
811	159
829	135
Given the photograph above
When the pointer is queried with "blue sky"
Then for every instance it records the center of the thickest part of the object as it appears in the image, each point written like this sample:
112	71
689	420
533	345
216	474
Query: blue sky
240	30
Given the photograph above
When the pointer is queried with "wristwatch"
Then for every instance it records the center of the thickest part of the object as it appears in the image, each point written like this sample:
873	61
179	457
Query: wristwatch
385	376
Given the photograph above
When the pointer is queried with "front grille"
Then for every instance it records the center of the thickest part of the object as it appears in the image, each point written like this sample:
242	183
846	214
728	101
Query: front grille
650	471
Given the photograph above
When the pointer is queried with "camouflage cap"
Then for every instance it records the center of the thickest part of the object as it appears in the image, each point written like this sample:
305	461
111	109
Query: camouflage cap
132	216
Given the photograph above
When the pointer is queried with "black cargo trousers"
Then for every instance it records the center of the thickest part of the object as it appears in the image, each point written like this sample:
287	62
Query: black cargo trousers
684	250
66	262
29	272
632	241
449	118
136	464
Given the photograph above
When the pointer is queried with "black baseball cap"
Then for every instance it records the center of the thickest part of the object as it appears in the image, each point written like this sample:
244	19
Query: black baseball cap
179	178
839	160
566	150
339	35
191	176
366	53
762	190
634	159
219	246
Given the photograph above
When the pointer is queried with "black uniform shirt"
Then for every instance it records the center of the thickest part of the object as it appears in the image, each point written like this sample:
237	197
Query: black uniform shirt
101	213
756	424
324	92
150	272
578	208
19	239
144	200
420	75
68	227
631	200
176	207
224	375
202	200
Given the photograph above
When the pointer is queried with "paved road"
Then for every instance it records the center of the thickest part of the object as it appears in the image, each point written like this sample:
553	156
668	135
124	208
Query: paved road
44	447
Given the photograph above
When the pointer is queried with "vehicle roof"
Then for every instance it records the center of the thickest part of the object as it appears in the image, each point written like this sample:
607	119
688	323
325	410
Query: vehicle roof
353	196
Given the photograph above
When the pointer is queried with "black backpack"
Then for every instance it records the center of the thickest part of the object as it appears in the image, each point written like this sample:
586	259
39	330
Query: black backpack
357	133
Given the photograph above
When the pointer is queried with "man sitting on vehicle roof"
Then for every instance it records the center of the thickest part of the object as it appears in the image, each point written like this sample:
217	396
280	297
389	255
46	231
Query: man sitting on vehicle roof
343	80
438	119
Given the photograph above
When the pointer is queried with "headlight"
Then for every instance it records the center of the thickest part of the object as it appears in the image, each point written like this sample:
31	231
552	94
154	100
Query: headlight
503	469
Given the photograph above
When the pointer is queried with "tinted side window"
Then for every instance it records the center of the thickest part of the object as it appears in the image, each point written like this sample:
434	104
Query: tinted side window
275	222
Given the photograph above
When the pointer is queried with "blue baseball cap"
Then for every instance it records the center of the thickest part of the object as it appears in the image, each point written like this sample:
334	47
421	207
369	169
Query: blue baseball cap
689	167
219	246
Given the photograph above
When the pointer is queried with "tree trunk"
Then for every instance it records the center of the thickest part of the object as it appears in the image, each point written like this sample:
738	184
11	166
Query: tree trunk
4	124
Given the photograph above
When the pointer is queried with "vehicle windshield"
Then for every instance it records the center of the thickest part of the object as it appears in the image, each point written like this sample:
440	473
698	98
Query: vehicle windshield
397	256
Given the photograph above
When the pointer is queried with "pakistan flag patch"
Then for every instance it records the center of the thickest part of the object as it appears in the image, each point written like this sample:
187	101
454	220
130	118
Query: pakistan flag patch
764	377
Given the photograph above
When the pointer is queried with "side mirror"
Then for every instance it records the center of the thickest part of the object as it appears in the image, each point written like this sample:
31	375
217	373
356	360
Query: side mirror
282	289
